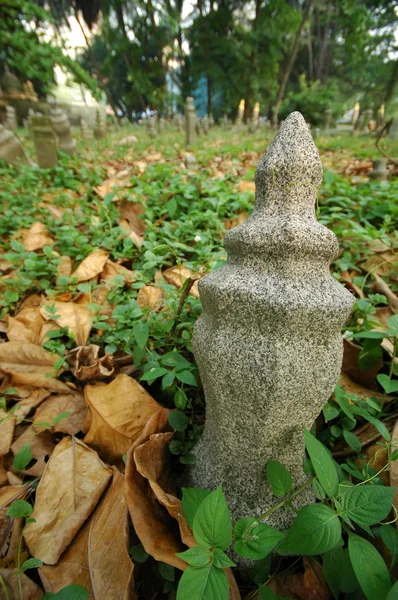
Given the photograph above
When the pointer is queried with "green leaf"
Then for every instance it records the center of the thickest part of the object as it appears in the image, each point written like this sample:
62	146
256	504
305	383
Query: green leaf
261	569
180	399
196	556
192	498
19	509
31	563
166	571
167	380
381	428
71	592
338	572
22	458
390	386
61	417
141	333
367	504
154	373
389	535
315	530
175	360
254	539
221	560
212	526
279	478
186	377
138	553
369	568
203	583
393	593
178	420
322	463
393	324
266	593
352	440
330	411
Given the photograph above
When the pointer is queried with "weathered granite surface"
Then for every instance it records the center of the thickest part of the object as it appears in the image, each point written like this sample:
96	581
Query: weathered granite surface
62	128
11	149
268	342
190	122
44	141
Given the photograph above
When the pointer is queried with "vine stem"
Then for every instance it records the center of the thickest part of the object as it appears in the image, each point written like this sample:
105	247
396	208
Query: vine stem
286	500
4	588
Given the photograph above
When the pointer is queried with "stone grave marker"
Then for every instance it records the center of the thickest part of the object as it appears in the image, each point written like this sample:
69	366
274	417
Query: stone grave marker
380	170
11	149
62	128
11	118
100	126
190	122
268	342
241	110
44	141
85	130
328	116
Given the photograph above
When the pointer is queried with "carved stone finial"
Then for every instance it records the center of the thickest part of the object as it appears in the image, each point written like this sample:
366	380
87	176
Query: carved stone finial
268	343
62	128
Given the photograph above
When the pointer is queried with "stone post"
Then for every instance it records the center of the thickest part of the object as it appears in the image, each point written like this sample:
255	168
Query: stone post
11	149
85	130
45	142
190	122
241	111
367	115
355	114
61	126
380	170
328	116
393	133
11	118
256	113
100	126
268	343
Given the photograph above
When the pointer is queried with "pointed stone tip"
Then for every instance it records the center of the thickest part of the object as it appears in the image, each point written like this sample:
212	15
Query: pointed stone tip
291	157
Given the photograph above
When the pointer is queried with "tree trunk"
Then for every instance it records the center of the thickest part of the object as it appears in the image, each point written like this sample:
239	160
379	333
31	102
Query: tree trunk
290	63
310	54
391	84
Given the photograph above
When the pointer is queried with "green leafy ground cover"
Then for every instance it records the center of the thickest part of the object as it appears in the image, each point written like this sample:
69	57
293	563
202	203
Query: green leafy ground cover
185	217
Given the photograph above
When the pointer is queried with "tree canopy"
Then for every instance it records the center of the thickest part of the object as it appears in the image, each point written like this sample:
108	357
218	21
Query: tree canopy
308	54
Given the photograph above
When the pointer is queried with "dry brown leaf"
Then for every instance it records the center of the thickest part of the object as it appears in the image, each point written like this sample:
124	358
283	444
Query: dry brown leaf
10	493
347	278
76	316
69	490
151	297
151	522
178	275
107	186
153	157
351	387
351	368
7	426
36	237
64	266
383	264
86	365
235	221
111	569
55	406
91	266
151	461
131	212
24	406
26	325
247	186
112	269
378	246
3	476
72	567
382	287
311	584
137	239
41	445
147	467
117	415
30	365
98	559
30	590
